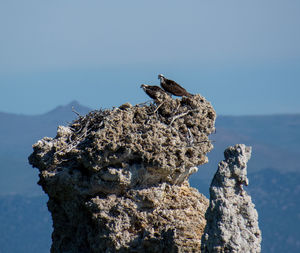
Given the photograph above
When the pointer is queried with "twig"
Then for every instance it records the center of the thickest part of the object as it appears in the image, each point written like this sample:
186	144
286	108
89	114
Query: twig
158	107
144	103
181	115
77	113
176	110
78	140
178	116
85	129
77	132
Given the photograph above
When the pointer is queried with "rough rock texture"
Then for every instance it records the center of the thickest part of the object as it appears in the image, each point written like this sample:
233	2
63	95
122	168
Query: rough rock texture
232	221
117	179
163	218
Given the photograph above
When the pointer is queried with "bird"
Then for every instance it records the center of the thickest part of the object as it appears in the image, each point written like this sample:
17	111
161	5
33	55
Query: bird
172	87
153	91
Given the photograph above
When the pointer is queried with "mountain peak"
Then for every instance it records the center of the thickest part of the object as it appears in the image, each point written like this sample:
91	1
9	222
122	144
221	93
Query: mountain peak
66	110
74	103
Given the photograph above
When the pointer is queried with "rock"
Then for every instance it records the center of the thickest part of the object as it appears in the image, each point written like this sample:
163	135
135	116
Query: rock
232	221
117	179
164	218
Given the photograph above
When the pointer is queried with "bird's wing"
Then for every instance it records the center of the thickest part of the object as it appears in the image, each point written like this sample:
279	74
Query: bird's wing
171	82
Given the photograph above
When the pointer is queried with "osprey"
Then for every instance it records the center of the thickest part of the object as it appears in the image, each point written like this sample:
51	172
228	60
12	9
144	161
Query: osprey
172	87
153	92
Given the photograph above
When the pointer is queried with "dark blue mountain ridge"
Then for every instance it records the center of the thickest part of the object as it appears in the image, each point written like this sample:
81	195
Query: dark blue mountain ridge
278	130
276	196
17	134
64	111
25	224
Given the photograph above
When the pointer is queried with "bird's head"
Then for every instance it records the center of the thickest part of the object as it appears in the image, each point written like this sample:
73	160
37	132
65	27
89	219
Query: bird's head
144	86
160	76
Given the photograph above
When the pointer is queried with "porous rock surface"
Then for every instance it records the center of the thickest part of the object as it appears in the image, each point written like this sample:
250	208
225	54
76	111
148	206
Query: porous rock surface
117	179
232	220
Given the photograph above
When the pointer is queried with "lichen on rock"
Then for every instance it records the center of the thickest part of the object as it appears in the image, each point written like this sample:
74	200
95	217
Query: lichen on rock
232	220
117	179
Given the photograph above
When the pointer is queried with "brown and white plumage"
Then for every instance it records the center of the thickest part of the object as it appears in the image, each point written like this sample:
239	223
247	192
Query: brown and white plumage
172	87
153	92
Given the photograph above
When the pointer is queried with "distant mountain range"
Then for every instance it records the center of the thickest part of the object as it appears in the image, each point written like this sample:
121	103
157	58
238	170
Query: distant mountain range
274	173
17	134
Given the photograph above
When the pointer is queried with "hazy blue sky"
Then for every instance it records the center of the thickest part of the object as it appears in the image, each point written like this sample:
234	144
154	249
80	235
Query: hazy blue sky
243	56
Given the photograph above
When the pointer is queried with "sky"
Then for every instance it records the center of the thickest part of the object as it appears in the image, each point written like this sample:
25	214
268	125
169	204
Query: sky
243	56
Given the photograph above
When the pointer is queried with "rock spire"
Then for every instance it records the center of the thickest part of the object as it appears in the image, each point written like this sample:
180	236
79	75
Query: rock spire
117	179
232	221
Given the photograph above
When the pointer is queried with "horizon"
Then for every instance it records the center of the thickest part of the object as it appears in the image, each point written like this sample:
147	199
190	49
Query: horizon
89	108
242	57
